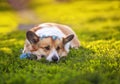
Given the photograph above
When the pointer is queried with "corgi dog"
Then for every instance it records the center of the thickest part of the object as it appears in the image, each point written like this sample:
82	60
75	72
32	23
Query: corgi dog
50	40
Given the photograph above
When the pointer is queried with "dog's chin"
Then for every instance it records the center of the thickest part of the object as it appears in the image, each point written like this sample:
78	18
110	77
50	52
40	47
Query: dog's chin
48	58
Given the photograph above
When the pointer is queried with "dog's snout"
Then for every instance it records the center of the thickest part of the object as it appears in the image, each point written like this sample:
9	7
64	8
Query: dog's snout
55	58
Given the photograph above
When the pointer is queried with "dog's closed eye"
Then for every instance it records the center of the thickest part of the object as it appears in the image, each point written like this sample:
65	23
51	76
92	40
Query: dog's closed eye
47	47
58	48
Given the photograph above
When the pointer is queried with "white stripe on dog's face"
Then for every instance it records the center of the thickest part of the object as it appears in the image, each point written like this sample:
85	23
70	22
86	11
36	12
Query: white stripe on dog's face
53	56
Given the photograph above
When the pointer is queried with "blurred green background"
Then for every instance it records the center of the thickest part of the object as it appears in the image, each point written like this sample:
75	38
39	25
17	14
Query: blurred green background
97	25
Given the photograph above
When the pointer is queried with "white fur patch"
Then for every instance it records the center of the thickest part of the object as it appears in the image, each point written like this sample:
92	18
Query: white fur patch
67	46
49	31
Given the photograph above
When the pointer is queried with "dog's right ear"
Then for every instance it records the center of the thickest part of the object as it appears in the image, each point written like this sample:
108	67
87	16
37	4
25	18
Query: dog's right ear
32	37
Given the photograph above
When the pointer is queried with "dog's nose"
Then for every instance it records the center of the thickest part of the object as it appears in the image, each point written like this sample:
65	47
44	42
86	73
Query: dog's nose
55	58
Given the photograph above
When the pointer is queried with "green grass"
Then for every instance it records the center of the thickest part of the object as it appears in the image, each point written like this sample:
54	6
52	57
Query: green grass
97	61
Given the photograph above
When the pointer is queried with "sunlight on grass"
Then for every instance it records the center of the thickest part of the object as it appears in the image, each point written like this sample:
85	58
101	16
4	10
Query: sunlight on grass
80	16
8	22
6	50
12	42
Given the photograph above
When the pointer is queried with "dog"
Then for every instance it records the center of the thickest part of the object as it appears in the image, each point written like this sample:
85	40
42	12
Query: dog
50	40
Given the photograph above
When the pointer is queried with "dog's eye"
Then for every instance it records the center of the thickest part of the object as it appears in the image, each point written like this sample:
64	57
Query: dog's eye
47	47
58	48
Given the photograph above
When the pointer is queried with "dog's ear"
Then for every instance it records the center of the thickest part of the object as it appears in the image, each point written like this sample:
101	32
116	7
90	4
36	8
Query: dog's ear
68	38
32	37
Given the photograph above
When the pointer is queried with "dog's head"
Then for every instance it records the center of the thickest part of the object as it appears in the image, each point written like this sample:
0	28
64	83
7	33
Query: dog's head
48	47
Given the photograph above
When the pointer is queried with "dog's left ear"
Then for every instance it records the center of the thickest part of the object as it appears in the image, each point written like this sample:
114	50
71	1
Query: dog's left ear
68	38
32	37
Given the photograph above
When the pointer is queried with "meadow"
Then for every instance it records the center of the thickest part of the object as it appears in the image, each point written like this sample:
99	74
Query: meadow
97	61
